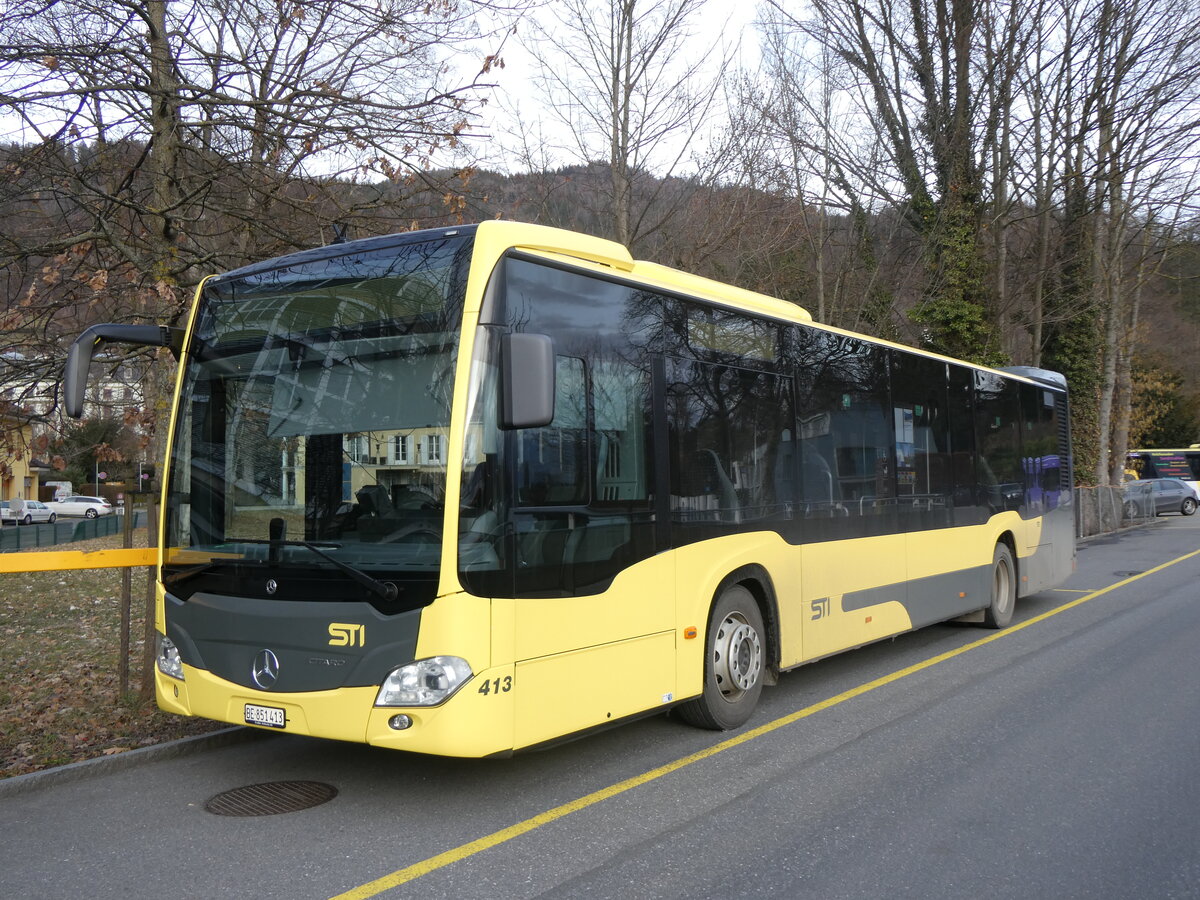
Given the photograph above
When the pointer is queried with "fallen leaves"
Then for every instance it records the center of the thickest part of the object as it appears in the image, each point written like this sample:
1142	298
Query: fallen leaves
60	700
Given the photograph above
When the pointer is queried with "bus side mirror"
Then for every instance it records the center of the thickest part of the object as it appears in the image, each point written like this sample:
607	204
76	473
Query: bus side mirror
79	357
527	381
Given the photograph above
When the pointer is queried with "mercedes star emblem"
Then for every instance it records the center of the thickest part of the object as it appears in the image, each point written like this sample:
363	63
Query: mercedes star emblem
265	669
272	586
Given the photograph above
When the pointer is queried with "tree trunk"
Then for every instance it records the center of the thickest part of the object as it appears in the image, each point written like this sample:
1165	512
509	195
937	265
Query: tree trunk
164	129
1123	401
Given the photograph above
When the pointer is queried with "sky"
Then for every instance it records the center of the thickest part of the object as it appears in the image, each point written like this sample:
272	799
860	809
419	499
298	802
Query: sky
728	22
516	94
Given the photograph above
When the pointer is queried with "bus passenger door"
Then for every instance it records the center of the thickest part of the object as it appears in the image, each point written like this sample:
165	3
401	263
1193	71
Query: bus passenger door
854	553
594	611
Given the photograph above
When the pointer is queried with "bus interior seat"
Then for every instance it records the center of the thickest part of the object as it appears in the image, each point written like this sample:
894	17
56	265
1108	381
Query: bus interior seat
373	499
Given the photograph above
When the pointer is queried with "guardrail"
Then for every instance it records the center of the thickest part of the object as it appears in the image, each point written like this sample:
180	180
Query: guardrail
55	560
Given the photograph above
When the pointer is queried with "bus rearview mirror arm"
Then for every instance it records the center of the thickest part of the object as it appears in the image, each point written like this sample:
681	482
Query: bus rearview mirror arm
79	357
526	381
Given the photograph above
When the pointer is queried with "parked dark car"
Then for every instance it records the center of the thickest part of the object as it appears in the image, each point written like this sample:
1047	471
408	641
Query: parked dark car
1155	496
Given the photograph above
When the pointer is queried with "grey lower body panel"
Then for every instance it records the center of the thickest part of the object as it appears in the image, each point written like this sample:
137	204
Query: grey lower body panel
933	599
315	646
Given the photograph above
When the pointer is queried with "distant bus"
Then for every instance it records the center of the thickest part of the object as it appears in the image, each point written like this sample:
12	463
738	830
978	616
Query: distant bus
1183	464
475	490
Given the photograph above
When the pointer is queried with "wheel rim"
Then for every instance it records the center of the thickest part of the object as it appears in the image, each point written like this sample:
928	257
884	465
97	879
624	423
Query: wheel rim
1002	586
737	656
1189	506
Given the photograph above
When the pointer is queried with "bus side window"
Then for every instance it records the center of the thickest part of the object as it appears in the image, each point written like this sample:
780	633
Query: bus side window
552	461
847	452
967	508
729	435
582	487
1039	449
924	468
998	432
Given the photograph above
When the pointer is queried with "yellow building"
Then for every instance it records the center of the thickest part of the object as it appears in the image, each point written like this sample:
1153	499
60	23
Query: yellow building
398	461
20	474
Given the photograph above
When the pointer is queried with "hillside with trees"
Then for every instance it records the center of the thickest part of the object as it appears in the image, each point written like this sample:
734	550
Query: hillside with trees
1010	183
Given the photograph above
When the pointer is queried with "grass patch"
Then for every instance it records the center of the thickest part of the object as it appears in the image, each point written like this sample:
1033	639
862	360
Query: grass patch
60	700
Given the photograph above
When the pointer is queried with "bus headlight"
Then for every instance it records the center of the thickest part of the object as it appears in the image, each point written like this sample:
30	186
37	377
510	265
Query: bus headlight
169	662
426	682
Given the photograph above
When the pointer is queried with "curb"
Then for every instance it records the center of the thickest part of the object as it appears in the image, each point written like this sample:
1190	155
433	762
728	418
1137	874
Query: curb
1157	521
118	762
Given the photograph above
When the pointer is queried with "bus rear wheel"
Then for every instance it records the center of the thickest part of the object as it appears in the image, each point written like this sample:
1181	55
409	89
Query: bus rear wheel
1004	589
734	663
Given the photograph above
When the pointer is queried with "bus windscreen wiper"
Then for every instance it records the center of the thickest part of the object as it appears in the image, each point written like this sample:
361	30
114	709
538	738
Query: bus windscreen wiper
169	579
385	590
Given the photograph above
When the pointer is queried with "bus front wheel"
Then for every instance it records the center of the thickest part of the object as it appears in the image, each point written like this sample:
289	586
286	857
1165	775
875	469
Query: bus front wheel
734	663
1004	589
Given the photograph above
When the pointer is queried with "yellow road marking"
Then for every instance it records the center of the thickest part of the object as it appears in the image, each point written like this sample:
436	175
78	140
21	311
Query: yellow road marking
441	860
53	560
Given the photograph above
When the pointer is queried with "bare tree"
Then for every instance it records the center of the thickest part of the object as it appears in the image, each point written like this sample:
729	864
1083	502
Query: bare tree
636	93
934	80
1093	120
152	143
1145	85
796	133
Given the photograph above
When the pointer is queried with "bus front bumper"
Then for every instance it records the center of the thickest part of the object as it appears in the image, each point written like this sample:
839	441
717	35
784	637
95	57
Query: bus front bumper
476	721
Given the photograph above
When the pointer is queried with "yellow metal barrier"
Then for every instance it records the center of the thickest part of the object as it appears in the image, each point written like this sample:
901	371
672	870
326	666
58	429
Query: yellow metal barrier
53	560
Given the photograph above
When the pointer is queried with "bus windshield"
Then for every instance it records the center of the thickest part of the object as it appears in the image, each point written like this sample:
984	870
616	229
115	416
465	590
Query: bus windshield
310	442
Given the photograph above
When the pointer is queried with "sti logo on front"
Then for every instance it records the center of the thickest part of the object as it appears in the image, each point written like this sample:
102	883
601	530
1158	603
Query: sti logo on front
342	634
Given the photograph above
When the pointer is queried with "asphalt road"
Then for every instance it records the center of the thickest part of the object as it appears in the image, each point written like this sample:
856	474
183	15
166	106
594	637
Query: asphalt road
1055	758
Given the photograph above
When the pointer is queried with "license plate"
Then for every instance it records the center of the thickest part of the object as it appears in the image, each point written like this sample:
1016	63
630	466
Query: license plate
267	716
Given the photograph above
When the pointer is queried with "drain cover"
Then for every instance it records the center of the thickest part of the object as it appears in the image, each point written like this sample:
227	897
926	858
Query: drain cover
270	798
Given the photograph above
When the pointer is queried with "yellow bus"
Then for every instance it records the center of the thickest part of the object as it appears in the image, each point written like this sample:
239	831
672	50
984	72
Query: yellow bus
1183	464
474	490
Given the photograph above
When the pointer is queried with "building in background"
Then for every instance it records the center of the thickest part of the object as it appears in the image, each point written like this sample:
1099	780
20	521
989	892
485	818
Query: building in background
20	473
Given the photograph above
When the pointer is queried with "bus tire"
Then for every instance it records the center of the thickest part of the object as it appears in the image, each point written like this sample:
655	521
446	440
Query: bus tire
734	663
1004	589
1189	506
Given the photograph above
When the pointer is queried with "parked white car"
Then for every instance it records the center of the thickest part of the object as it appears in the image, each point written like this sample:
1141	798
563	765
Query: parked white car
25	512
89	507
